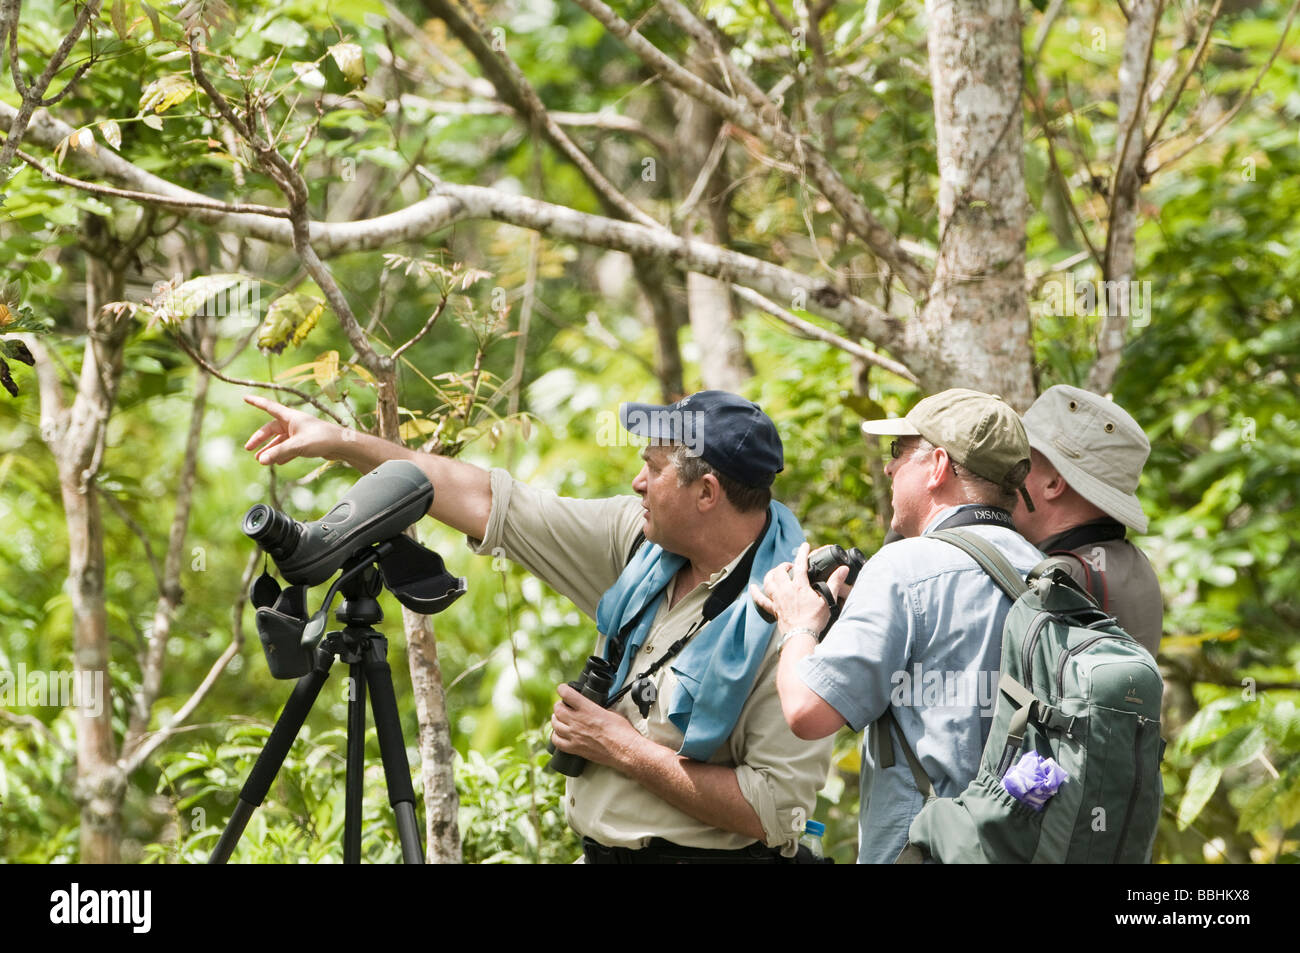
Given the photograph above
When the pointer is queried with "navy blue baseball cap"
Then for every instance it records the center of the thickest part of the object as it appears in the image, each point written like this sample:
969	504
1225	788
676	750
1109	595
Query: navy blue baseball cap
732	434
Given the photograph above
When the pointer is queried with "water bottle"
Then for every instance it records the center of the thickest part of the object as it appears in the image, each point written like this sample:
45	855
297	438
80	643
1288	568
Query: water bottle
812	838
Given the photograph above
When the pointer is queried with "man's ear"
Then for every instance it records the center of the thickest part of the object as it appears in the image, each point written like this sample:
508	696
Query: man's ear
1053	486
710	493
940	469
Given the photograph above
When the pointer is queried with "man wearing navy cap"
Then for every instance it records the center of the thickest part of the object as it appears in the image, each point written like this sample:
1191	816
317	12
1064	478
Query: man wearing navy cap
693	761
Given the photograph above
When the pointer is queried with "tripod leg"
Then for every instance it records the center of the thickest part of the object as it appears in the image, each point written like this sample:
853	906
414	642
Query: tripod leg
397	770
273	754
356	764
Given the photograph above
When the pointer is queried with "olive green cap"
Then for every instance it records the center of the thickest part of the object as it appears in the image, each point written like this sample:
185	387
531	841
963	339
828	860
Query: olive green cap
980	432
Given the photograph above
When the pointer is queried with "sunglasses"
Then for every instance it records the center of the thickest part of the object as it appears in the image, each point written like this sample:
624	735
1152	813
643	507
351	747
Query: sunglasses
896	448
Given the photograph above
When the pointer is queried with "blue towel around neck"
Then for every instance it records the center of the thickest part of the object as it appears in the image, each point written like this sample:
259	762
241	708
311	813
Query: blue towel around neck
717	668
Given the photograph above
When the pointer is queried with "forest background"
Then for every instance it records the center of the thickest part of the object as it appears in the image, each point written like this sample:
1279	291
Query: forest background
831	208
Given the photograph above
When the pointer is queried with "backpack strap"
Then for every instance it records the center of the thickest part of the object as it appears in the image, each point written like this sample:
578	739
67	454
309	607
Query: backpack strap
1006	576
1091	582
883	728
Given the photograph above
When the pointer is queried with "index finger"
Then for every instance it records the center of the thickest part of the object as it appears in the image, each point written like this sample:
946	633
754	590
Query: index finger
266	404
799	571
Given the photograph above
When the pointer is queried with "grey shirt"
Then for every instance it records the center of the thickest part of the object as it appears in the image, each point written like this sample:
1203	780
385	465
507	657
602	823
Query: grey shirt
1121	579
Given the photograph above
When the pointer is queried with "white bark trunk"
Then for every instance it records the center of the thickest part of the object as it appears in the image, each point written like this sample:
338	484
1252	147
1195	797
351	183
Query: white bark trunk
974	329
1121	234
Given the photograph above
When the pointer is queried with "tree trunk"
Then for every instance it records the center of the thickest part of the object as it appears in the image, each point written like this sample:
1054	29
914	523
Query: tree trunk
1121	233
78	445
652	278
975	325
723	362
441	802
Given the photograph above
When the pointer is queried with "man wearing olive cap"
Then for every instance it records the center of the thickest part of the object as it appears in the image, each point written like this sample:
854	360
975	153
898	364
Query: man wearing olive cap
1088	455
695	762
920	633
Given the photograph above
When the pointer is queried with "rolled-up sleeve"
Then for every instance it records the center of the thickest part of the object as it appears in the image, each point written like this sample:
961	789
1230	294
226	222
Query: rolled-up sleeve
778	773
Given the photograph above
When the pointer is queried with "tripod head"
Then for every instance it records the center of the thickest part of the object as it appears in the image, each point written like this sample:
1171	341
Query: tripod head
362	537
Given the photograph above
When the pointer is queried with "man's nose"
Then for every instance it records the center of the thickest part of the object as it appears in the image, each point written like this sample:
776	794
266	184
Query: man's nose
639	482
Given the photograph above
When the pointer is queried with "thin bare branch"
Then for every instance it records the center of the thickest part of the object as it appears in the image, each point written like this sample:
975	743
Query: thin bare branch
513	87
1187	73
771	127
116	506
1063	181
34	724
32	95
147	744
241	382
706	173
1245	98
428	326
808	329
149	198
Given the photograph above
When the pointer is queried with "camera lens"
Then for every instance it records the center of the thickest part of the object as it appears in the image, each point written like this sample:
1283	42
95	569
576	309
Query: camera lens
276	533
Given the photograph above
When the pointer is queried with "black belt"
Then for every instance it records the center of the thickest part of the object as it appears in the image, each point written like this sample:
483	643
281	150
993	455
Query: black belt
660	851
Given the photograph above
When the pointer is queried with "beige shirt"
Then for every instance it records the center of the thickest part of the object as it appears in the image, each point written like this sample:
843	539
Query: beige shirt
579	548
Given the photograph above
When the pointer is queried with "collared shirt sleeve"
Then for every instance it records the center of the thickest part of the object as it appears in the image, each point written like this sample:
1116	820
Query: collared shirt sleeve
778	773
578	547
855	667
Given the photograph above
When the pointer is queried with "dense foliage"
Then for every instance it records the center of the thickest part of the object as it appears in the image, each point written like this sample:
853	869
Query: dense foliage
1211	373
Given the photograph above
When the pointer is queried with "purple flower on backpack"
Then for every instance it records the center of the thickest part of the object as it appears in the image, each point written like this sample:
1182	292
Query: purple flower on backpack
1033	779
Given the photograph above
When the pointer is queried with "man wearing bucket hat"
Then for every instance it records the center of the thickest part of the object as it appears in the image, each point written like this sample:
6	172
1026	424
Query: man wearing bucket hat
920	633
693	761
1087	455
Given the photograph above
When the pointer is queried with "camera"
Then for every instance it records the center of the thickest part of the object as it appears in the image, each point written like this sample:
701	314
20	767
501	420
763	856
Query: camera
822	564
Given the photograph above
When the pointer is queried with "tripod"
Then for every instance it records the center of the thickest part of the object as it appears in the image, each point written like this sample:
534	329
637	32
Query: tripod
365	651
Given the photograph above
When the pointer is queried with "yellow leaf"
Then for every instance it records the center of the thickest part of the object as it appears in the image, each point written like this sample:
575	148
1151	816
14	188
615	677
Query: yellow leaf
165	92
6	316
289	320
326	368
417	428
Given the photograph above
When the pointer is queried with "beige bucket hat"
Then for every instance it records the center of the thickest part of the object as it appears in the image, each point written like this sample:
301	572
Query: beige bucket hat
1095	445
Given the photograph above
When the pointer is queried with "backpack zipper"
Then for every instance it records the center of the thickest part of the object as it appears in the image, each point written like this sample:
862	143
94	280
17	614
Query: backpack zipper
1065	656
1137	785
1027	649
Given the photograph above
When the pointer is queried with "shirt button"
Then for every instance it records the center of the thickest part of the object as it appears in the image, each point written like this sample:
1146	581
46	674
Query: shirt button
648	647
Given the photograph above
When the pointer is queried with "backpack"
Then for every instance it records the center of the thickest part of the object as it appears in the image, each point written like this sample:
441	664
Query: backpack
1075	687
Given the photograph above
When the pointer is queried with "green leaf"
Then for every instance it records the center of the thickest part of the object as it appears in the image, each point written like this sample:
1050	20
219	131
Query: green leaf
1201	785
351	62
216	295
1239	747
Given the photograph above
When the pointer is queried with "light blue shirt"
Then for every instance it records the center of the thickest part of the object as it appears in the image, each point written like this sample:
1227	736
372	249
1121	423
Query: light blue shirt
921	632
